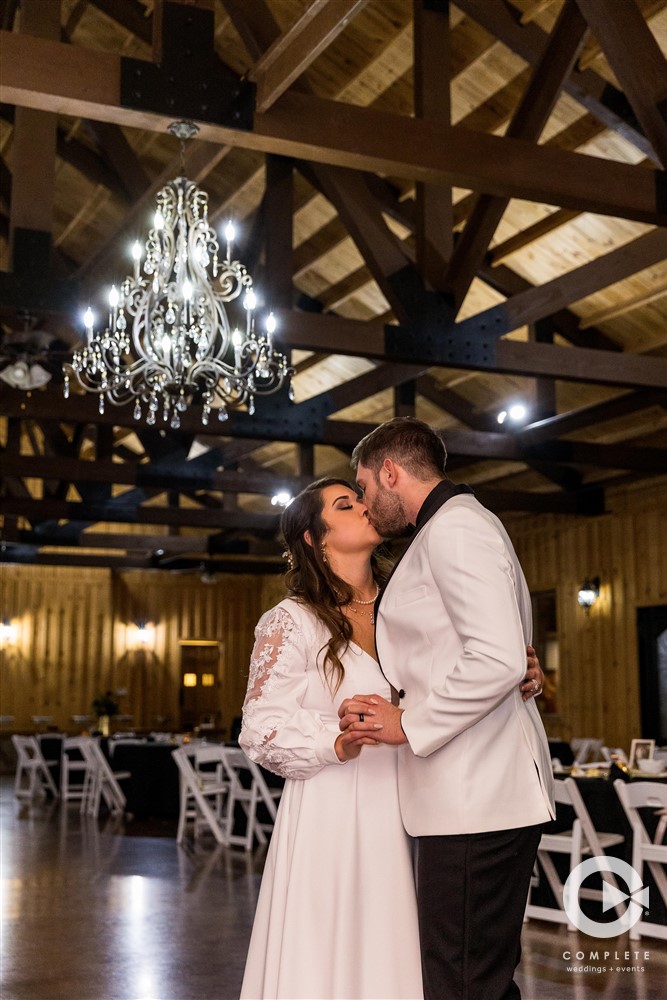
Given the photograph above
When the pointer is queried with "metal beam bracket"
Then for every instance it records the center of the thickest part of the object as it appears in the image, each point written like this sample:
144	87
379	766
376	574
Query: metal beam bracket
190	81
432	336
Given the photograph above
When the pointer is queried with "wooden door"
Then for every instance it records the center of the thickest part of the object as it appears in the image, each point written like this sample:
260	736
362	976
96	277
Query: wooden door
200	671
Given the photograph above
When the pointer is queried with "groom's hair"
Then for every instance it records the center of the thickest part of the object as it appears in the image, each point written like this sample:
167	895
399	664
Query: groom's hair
409	442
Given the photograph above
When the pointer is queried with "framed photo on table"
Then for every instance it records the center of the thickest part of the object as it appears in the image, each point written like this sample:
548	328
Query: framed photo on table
640	750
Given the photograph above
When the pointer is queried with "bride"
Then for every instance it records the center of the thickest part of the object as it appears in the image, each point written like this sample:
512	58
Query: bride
336	915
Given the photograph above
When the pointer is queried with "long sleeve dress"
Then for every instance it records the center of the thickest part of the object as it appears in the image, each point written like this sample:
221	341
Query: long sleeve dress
336	916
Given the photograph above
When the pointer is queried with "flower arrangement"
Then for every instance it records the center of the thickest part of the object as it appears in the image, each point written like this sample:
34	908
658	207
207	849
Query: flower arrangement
105	704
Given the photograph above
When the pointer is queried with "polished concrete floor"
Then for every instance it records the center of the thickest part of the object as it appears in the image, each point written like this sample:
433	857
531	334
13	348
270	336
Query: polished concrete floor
93	910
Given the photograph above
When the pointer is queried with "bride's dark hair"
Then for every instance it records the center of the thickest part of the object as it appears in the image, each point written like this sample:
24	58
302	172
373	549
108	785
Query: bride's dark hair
311	580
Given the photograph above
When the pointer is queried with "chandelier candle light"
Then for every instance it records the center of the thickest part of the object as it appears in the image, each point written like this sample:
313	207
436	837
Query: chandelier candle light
169	338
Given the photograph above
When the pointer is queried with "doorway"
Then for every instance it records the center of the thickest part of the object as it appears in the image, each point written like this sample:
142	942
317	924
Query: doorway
199	698
652	640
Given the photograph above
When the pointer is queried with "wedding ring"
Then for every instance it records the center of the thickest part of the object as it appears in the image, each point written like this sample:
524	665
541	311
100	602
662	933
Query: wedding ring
361	716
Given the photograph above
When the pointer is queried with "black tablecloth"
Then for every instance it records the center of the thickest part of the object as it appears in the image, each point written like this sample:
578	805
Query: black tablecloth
152	789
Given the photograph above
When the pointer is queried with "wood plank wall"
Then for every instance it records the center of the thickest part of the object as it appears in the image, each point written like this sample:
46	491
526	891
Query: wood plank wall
72	624
74	639
627	549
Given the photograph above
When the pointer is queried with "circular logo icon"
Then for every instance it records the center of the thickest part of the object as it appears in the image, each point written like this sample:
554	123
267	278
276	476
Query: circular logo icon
612	897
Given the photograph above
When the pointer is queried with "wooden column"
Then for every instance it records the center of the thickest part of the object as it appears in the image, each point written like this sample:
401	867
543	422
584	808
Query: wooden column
432	103
34	156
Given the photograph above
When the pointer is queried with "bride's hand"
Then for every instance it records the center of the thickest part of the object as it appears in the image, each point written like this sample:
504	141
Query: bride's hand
533	682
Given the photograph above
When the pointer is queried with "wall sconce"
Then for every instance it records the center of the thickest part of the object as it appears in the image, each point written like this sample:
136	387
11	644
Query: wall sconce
589	593
7	633
140	635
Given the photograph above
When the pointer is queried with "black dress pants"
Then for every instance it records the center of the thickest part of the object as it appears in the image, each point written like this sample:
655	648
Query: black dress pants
471	894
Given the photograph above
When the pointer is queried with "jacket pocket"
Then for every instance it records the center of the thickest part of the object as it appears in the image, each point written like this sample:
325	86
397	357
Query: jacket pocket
404	597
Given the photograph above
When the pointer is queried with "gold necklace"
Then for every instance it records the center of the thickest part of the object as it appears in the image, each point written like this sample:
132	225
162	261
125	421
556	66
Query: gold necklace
359	611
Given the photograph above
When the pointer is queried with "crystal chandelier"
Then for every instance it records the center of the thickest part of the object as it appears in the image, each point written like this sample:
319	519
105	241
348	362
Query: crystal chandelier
182	326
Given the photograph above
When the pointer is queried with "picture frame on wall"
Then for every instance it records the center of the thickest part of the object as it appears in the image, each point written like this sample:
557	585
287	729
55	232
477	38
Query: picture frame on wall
641	750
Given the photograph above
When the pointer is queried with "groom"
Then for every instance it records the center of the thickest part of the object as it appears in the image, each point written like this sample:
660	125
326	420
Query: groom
475	780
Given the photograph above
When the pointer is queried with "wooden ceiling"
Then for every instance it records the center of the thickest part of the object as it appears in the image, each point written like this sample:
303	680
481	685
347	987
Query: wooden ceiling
450	206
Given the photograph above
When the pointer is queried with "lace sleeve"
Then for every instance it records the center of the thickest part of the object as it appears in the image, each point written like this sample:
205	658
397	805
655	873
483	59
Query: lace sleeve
277	731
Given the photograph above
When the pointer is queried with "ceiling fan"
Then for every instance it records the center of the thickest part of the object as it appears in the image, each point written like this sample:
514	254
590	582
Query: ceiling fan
21	354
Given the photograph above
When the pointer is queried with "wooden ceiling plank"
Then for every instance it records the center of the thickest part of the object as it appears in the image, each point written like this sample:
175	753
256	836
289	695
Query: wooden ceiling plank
550	72
594	93
623	308
128	15
291	54
48	75
637	60
432	73
544	300
531	13
522	239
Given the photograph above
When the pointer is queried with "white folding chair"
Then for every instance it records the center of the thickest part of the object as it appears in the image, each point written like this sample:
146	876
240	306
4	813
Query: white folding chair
582	840
101	782
248	787
31	765
201	792
73	762
633	797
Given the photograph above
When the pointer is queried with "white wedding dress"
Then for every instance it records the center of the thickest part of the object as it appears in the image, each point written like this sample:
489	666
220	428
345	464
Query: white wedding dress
336	916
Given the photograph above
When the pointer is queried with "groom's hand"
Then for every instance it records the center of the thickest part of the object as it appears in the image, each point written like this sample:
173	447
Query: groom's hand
383	722
360	709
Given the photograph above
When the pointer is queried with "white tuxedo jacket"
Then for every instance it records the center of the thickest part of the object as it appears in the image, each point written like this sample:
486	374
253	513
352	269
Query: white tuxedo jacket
452	627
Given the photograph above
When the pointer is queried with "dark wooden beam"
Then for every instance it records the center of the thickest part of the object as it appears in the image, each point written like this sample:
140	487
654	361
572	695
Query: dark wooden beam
291	54
603	100
48	75
359	211
637	60
588	416
175	475
545	300
131	513
278	218
432	73
550	72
